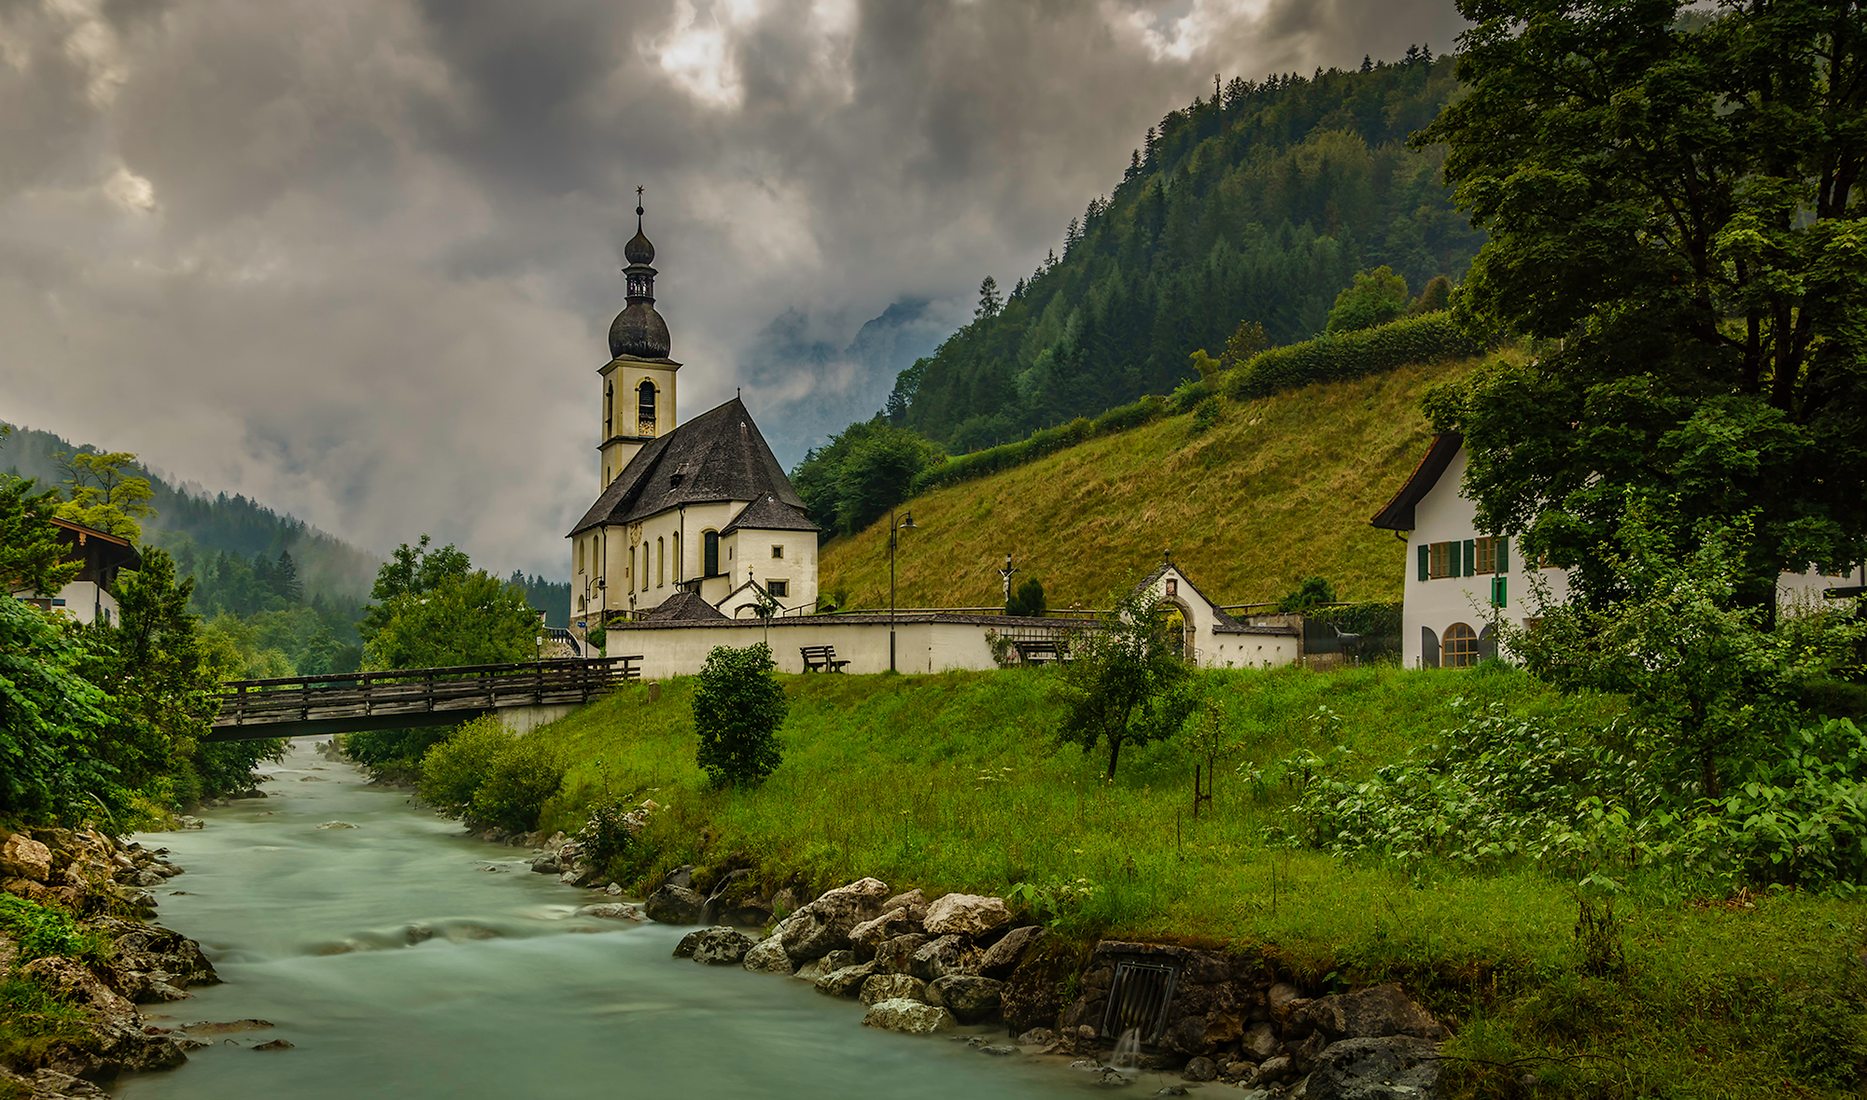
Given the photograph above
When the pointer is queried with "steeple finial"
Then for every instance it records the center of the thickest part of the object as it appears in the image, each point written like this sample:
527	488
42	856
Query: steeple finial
638	208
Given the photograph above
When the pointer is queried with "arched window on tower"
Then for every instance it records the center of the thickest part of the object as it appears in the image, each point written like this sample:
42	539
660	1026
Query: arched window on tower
609	409
645	407
710	554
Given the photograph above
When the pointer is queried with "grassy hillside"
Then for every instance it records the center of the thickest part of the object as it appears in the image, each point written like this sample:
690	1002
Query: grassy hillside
1280	488
956	782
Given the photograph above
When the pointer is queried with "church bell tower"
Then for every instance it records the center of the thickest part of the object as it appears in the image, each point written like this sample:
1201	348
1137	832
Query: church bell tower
638	381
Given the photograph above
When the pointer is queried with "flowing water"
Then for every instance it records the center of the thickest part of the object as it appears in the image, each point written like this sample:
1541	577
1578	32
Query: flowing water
403	958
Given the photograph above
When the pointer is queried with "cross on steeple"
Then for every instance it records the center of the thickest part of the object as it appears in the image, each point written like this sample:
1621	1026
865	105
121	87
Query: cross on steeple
638	208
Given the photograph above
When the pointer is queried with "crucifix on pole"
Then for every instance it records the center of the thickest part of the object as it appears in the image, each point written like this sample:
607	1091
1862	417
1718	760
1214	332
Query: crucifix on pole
1005	574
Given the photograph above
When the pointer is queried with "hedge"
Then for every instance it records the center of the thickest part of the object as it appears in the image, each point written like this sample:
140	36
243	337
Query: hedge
1426	339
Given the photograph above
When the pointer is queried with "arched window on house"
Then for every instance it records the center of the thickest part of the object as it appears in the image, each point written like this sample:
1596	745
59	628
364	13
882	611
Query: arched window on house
645	407
1460	647
710	554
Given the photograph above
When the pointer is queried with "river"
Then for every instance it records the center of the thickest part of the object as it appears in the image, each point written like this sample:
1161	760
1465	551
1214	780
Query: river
404	958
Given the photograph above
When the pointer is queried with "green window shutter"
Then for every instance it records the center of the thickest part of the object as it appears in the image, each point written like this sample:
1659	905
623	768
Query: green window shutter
1499	594
1503	555
1426	561
1471	558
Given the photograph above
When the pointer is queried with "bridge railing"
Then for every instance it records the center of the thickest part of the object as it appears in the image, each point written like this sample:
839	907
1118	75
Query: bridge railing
417	691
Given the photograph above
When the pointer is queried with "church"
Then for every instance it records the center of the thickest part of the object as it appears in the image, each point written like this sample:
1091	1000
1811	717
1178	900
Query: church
694	521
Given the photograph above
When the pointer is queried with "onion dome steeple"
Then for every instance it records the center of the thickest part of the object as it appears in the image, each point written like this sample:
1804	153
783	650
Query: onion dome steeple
638	331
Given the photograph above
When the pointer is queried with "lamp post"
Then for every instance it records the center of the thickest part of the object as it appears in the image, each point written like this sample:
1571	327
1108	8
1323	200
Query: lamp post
906	523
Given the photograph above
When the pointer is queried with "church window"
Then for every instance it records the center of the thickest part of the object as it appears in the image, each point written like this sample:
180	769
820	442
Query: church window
609	413
580	555
777	551
1460	647
778	589
710	554
677	557
661	563
645	407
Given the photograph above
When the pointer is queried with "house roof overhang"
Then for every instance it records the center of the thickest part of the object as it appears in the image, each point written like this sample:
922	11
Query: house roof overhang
1398	514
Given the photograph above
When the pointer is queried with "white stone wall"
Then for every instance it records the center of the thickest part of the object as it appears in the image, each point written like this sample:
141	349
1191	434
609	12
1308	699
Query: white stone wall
919	647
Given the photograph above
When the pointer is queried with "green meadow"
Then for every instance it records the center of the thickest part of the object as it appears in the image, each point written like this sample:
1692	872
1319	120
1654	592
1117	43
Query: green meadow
957	782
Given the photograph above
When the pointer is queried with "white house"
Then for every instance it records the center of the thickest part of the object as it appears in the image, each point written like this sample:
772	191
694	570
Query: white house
700	509
1460	583
89	597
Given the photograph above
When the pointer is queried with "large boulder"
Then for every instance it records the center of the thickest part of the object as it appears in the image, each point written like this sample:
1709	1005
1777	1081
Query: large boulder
864	938
966	915
717	946
151	963
1391	1067
1035	993
1369	1013
892	987
1003	957
828	964
768	957
846	981
22	856
970	999
115	1040
949	954
911	1017
896	956
675	905
913	901
823	926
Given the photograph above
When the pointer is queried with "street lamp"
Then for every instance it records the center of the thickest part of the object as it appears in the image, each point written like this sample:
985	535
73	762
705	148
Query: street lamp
894	537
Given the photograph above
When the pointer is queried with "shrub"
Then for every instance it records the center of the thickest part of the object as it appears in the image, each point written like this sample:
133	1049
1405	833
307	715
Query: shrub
453	769
525	774
738	707
1028	599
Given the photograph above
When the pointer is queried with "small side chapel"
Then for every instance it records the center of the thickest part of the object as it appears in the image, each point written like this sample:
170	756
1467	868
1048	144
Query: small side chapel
691	521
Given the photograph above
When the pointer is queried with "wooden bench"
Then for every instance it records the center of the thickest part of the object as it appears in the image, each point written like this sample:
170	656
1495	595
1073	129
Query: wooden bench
821	658
1032	651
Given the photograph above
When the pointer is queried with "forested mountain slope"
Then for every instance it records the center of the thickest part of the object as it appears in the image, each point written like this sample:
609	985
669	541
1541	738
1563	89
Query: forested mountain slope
1275	490
198	526
1257	205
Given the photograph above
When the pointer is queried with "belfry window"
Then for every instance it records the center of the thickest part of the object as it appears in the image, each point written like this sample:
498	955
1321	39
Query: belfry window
645	407
609	409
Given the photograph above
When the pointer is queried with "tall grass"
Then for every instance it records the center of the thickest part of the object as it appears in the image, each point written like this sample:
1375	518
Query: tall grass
957	782
1278	489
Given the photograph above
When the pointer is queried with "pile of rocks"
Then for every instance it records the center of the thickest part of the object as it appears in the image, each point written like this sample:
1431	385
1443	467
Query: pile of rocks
94	876
925	966
920	966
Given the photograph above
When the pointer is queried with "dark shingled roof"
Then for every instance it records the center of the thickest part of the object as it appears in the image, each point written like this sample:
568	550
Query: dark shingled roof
717	456
1398	515
685	607
768	513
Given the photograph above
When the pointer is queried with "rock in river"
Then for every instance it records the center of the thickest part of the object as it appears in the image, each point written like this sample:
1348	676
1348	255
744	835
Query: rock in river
910	1017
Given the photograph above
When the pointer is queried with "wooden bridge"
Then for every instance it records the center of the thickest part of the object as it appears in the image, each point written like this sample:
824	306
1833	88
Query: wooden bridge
306	706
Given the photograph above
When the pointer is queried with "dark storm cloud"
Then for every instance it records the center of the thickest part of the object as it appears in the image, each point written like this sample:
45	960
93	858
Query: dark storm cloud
357	257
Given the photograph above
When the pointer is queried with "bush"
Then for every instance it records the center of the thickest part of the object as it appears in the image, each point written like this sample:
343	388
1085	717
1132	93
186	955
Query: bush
453	769
1340	356
524	776
41	931
738	707
491	777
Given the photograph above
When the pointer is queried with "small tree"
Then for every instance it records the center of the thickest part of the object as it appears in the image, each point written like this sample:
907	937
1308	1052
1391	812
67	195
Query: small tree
1125	685
1028	599
1313	592
738	707
1374	298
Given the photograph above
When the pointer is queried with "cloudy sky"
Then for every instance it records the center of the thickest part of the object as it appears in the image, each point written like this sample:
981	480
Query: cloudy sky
357	258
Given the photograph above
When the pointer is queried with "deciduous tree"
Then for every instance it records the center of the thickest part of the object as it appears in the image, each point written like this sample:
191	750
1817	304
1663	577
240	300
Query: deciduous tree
1124	684
1678	202
738	707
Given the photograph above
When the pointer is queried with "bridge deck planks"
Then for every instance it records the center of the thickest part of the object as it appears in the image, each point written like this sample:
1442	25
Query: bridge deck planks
301	705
